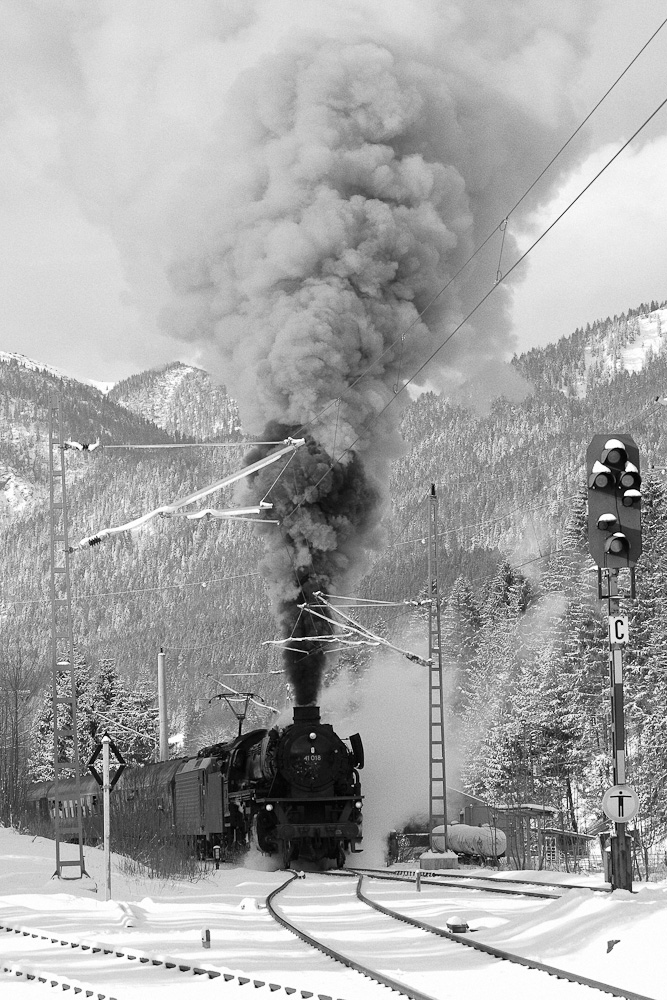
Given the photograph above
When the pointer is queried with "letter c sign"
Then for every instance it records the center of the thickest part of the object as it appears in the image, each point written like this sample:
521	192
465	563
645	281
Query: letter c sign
619	632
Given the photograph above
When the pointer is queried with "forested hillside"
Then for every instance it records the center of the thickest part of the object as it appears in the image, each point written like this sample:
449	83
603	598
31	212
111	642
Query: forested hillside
182	400
524	636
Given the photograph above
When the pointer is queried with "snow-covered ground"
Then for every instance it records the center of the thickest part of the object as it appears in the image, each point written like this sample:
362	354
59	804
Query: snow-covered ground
617	938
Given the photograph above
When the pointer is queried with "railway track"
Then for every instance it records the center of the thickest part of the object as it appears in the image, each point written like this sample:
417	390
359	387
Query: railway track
385	947
445	962
37	956
493	880
544	892
505	886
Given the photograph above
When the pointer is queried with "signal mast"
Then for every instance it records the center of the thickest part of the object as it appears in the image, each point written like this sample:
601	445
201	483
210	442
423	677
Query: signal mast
437	779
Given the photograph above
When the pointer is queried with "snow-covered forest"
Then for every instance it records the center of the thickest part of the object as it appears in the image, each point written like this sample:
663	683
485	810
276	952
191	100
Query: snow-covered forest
523	631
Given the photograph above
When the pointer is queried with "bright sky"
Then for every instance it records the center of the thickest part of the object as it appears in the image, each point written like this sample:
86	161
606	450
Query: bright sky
68	299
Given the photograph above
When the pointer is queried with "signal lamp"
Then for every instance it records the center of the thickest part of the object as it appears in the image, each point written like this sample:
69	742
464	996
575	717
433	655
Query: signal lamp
617	544
630	479
614	452
601	477
614	501
632	498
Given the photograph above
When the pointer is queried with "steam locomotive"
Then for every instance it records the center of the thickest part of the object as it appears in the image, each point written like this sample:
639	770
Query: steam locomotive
294	792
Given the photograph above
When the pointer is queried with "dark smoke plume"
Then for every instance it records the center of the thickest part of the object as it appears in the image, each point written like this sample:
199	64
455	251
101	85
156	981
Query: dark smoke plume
309	176
325	509
364	173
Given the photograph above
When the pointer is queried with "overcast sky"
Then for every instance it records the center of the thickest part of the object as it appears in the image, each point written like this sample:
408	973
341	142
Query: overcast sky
69	297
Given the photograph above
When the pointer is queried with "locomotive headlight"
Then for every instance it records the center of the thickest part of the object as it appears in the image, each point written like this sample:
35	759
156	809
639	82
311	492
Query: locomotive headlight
269	807
357	805
313	736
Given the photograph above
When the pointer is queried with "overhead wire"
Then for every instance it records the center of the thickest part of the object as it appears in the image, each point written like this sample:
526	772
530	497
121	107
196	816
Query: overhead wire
490	292
399	388
480	247
499	279
520	260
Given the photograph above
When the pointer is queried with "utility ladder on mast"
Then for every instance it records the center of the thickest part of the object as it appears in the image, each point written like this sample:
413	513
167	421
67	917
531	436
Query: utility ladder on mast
67	807
438	785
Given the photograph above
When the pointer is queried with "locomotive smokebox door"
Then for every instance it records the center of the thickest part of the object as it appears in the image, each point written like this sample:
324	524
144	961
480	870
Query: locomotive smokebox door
311	756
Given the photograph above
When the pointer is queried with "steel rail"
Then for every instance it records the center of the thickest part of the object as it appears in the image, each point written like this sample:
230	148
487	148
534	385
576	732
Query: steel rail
500	953
138	956
441	877
444	875
338	956
411	877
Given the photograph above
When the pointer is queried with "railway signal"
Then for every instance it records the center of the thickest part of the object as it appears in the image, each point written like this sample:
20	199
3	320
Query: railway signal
614	501
615	542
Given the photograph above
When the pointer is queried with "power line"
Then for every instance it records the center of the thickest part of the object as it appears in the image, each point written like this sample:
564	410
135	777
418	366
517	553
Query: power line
502	227
523	257
484	298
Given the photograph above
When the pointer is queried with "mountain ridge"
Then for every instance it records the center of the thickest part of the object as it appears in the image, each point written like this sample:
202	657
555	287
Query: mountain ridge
516	581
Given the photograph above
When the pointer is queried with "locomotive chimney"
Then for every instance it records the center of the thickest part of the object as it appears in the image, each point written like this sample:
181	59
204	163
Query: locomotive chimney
306	713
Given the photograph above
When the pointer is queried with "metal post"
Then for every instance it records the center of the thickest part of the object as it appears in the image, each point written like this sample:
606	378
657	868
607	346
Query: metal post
621	855
63	670
437	779
162	705
106	790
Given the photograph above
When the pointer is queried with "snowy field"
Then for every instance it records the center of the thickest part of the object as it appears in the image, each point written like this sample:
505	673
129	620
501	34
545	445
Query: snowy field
617	938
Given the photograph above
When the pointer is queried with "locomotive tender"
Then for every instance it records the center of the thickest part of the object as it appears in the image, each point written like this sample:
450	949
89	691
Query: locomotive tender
294	792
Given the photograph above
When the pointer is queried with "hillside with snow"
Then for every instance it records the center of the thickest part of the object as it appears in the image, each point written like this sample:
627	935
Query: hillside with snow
515	574
599	352
182	400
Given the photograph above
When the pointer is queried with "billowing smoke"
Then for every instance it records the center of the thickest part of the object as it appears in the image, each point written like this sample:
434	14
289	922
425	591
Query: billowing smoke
366	169
324	508
309	176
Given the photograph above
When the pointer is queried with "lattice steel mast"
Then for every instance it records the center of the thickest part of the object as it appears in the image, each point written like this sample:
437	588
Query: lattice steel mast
437	779
67	809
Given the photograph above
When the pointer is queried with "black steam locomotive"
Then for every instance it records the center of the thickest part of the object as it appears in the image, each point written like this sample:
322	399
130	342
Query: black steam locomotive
294	792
